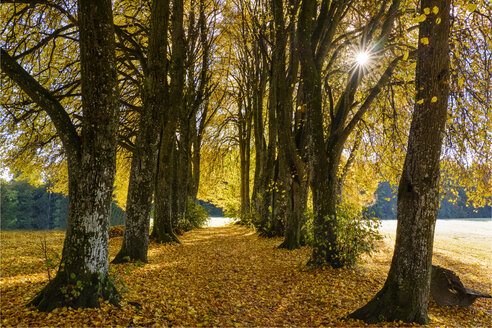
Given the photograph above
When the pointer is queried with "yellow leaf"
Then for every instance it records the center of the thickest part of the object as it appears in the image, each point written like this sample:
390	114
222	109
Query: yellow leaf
424	41
427	11
435	10
421	101
405	55
434	99
421	18
472	7
438	21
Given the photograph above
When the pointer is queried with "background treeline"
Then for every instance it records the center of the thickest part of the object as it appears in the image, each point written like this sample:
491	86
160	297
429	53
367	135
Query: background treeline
27	207
451	206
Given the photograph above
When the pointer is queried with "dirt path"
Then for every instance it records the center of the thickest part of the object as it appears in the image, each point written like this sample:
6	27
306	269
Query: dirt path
224	276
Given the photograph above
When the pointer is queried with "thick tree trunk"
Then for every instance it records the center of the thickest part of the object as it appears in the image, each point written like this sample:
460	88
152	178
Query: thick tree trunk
325	198
291	168
139	201
144	160
164	196
295	219
262	171
82	277
163	231
268	223
316	33
405	293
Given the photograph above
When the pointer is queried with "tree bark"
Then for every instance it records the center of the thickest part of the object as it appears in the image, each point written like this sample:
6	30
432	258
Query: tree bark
82	277
144	160
163	231
182	177
292	173
164	196
264	152
405	293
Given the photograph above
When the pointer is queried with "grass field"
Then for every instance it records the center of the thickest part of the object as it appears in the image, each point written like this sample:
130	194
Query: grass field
228	276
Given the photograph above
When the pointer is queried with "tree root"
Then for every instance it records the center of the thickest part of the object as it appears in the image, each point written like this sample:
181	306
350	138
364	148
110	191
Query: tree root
289	244
385	307
123	256
81	292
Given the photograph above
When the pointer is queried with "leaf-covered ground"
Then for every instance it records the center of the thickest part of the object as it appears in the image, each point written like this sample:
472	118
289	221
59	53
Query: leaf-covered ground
229	276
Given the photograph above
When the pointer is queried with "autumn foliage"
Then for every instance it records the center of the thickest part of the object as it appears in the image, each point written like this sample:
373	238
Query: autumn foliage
228	276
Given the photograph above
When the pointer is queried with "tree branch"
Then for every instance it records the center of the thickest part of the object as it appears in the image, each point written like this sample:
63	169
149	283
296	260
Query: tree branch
43	98
383	80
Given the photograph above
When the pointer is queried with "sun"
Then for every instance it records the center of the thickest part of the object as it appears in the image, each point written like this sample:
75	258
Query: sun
362	58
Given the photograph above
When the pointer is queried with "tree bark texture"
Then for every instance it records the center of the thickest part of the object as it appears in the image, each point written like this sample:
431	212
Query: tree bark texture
82	277
405	293
164	196
163	231
268	221
144	160
182	177
324	177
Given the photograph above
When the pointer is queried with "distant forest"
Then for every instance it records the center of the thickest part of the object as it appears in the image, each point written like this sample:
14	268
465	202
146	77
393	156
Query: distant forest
27	207
385	205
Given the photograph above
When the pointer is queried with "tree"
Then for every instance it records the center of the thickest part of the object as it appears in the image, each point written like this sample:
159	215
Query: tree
292	169
144	159
405	293
320	47
83	277
194	113
166	207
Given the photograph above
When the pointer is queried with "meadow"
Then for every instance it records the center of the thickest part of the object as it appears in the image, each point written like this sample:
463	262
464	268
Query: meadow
229	276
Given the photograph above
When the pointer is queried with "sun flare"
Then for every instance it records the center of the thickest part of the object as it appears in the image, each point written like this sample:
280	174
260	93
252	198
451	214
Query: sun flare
362	58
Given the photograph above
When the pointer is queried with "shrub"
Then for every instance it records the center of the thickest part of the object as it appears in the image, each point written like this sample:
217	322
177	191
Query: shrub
196	216
356	233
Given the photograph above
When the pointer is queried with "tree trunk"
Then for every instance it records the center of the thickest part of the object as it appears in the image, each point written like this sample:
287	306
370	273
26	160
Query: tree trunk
317	29
165	197
262	171
405	293
244	125
144	160
163	231
201	101
182	167
195	161
268	223
82	277
325	198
